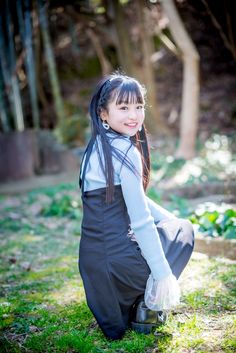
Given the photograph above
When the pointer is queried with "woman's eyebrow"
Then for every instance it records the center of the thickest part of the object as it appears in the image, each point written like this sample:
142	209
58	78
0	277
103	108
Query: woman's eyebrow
126	102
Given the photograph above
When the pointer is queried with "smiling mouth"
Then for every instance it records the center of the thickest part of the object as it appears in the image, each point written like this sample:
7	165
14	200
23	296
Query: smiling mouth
132	125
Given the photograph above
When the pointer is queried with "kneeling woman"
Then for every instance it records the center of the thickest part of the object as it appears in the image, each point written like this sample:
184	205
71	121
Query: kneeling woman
131	249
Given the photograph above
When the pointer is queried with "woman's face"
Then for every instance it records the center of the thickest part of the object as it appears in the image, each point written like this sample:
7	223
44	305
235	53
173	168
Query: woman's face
125	118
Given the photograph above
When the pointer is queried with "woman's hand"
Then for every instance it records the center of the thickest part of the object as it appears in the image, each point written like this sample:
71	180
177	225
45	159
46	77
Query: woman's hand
163	294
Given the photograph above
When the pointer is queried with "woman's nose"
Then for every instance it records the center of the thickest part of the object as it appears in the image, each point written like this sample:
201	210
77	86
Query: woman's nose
134	114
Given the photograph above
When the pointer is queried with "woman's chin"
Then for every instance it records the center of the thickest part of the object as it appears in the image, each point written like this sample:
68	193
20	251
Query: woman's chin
131	132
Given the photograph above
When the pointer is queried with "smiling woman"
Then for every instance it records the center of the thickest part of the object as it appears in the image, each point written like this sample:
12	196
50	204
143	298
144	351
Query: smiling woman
124	115
125	118
123	253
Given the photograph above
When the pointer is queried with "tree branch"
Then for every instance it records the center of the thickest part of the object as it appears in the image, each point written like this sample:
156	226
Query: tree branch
226	41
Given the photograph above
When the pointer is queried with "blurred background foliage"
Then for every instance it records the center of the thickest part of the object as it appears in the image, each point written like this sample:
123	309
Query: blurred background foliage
54	52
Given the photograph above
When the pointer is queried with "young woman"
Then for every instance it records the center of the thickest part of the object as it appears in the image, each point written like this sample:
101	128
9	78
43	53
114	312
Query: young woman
130	246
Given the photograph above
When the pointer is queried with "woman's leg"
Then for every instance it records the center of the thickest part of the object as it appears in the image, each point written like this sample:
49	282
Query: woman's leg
177	237
101	296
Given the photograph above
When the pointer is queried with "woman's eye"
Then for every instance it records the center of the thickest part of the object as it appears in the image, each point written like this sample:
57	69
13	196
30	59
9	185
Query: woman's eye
140	107
124	108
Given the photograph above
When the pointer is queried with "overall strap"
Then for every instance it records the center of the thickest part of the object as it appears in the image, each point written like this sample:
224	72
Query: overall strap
84	163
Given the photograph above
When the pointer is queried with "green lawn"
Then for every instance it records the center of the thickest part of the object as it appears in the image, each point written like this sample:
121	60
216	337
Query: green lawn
42	304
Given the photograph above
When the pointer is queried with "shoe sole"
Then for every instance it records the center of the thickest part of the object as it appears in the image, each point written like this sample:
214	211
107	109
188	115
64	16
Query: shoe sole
143	328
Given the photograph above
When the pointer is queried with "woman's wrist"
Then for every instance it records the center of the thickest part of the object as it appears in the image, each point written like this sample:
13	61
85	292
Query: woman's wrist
162	295
159	271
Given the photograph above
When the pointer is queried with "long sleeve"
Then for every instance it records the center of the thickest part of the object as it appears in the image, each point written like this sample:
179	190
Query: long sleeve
142	222
158	213
161	289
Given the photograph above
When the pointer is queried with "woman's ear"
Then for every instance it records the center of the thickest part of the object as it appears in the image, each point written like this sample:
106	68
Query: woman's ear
103	115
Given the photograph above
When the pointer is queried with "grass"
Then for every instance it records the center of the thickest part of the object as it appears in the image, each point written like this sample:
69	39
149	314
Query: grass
43	306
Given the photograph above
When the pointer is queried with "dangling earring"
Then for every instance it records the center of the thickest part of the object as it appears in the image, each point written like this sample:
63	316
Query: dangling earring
105	125
140	129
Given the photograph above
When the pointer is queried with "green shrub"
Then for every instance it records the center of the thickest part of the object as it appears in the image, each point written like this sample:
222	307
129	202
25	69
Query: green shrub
65	206
216	222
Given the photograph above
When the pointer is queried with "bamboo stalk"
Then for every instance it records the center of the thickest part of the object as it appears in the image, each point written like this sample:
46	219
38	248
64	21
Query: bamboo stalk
31	64
26	36
3	109
38	63
51	62
20	19
15	91
5	68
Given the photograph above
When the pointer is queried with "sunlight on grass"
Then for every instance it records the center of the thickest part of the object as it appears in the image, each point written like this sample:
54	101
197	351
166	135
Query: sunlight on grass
43	307
190	332
195	274
43	273
31	238
71	291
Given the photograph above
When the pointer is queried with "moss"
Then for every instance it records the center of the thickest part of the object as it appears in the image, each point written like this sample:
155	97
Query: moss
44	309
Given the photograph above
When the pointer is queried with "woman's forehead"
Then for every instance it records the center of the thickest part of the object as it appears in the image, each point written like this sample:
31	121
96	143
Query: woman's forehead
128	96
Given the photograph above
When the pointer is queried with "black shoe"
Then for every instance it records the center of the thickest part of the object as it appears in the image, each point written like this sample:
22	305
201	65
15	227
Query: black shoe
144	319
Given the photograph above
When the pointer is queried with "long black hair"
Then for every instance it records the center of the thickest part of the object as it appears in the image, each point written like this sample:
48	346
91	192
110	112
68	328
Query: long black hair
124	89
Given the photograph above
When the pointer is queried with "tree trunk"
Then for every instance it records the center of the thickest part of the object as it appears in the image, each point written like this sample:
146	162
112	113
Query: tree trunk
51	63
105	65
15	90
3	110
124	46
5	74
30	64
153	120
190	94
25	28
38	60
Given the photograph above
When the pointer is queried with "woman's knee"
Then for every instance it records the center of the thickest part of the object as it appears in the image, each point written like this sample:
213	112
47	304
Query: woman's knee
188	231
114	335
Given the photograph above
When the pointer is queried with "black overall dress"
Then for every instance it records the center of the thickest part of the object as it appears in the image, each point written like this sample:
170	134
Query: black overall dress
111	265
